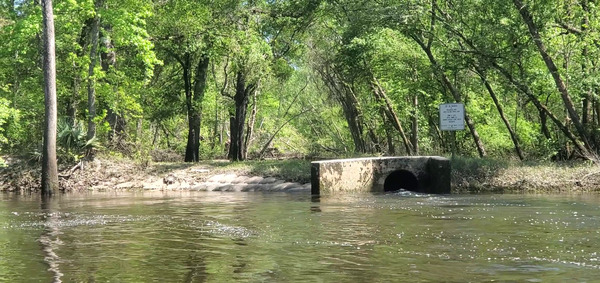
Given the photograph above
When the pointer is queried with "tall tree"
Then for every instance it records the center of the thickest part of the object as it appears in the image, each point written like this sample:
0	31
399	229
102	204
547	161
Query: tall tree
185	31
94	36
49	163
243	91
251	58
553	69
193	100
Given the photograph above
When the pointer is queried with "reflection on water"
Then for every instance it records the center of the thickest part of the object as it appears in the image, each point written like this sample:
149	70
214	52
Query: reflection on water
50	240
225	237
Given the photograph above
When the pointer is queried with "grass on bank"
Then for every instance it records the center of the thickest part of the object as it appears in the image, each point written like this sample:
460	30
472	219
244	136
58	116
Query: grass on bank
474	175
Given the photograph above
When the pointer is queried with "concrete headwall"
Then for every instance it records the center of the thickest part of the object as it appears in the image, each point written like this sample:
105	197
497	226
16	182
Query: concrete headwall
432	174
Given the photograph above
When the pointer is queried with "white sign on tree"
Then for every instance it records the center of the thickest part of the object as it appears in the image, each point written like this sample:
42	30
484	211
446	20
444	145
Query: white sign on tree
452	117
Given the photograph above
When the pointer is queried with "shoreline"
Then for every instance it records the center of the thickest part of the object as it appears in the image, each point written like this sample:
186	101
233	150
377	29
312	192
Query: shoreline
109	174
112	174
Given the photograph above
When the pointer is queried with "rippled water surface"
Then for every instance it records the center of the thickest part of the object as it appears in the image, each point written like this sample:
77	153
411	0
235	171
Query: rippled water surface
255	237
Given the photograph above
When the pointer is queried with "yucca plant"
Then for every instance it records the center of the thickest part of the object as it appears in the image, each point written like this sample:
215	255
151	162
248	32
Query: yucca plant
72	141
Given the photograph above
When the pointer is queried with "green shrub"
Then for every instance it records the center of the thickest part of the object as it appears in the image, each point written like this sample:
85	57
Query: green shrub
72	141
8	117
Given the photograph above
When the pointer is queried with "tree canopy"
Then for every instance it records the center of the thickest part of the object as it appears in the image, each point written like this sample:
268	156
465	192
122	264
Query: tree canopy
191	80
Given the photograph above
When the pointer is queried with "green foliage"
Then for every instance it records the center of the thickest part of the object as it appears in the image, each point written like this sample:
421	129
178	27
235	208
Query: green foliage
295	170
8	117
290	49
72	141
478	168
282	69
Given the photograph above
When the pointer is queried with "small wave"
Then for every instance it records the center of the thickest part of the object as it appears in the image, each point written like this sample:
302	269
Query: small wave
215	227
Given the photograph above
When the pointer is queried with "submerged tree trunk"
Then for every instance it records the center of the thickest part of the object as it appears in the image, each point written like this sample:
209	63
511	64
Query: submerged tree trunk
49	163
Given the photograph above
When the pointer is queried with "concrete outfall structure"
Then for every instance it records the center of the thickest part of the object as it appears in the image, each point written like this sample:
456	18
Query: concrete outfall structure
424	174
234	183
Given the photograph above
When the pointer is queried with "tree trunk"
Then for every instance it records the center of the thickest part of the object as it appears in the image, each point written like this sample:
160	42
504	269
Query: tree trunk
237	120
544	124
543	110
389	111
218	126
194	100
513	135
344	94
560	85
74	100
415	125
588	97
108	60
251	122
49	163
139	129
390	141
541	107
353	116
94	35
186	65
375	141
438	133
216	139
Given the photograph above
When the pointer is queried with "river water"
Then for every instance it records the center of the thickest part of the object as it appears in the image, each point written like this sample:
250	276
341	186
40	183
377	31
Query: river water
272	237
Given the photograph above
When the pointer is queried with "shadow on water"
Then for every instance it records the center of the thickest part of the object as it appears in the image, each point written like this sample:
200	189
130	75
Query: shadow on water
49	239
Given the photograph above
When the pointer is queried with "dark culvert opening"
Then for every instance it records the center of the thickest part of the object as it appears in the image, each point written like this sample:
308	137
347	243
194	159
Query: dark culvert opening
401	179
